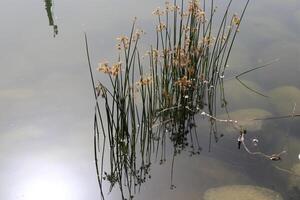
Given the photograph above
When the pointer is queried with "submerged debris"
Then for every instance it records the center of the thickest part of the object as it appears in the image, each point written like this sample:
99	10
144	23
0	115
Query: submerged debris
275	157
255	142
249	118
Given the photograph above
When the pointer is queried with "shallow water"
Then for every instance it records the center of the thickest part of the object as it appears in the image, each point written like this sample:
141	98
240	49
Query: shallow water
46	101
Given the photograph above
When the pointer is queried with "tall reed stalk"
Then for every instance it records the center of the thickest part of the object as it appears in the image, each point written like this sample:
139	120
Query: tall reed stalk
147	104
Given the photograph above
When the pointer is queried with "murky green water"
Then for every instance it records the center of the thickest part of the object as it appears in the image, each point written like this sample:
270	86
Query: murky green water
46	101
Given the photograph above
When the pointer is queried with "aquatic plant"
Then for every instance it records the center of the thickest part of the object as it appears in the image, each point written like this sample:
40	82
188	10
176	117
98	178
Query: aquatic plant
48	7
145	104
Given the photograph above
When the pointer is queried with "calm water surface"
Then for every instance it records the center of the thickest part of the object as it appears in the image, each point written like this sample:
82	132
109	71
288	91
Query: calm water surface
46	100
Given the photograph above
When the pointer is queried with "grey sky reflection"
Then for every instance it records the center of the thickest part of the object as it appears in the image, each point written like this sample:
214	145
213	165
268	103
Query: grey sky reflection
46	100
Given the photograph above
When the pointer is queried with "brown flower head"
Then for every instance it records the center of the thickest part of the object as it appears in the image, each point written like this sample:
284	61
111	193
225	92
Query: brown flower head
145	81
103	67
235	20
184	82
115	69
158	12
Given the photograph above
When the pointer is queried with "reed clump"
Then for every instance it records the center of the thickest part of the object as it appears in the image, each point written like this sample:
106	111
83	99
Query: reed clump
148	103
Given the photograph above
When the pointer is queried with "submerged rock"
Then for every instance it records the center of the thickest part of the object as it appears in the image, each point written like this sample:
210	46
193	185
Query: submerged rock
245	118
284	98
241	192
238	96
193	176
294	180
296	169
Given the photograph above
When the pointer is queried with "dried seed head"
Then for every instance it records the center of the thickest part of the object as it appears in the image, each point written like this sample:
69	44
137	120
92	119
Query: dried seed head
115	69
208	40
145	81
138	33
103	67
184	82
124	40
235	20
158	12
161	27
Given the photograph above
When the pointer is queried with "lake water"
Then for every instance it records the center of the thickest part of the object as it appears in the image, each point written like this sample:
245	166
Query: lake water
47	105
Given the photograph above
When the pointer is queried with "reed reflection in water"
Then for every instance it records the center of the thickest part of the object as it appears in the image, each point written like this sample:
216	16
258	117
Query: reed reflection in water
48	7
